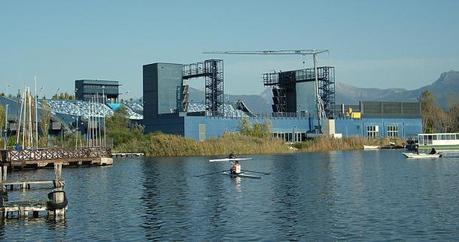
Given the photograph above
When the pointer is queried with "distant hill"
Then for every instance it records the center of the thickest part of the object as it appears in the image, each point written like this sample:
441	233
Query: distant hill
445	89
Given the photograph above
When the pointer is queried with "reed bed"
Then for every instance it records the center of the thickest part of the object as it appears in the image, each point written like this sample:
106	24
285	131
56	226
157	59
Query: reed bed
160	145
173	145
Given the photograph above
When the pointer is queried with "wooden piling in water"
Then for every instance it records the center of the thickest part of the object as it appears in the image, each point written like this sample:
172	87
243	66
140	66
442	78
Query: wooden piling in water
55	206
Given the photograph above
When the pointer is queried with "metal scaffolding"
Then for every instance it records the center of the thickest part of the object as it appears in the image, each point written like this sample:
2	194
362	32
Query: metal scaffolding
284	81
212	71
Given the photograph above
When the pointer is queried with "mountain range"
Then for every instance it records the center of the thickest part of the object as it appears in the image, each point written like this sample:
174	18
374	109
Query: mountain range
445	89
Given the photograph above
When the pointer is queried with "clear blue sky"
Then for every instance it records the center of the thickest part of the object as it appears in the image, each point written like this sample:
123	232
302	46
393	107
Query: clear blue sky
404	44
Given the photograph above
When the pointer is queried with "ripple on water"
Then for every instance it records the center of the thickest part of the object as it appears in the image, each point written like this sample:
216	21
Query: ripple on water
310	196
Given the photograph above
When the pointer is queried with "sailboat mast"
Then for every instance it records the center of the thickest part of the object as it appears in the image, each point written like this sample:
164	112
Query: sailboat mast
18	132
36	113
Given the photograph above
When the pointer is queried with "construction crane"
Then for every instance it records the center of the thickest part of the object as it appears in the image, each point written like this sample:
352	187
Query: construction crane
313	52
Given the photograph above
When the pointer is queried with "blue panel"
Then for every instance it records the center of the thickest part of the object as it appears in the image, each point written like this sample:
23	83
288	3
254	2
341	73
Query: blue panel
114	106
407	128
217	126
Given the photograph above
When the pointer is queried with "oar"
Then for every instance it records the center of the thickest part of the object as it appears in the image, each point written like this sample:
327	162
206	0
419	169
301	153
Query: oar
215	172
264	173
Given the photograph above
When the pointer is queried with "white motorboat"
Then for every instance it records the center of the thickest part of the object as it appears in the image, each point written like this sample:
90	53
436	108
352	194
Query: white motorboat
421	155
371	147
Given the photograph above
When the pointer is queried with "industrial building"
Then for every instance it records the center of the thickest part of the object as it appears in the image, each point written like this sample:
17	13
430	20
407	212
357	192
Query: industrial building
303	105
97	91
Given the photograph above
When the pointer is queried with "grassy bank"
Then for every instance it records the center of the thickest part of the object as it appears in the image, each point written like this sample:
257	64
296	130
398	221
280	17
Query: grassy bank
322	144
252	139
154	145
173	145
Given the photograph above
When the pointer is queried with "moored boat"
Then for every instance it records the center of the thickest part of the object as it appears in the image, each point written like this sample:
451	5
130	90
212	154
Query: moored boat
421	155
371	147
439	141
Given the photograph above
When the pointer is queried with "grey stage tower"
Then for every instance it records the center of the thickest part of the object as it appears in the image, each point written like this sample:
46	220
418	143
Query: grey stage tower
159	84
294	91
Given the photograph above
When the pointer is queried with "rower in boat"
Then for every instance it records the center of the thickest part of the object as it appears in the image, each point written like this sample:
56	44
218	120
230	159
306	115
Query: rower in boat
433	151
235	166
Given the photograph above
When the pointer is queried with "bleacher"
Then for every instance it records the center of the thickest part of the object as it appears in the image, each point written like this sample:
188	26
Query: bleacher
86	109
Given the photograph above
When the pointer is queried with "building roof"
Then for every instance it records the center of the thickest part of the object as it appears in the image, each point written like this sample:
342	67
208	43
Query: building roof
98	82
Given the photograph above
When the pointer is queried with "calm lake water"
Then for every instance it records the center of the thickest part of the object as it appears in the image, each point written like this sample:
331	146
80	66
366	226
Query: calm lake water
308	196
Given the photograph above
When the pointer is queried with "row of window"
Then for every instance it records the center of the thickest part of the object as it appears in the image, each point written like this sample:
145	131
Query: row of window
430	137
391	131
290	137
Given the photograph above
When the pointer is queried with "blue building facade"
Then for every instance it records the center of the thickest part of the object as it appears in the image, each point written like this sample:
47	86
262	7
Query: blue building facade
161	82
290	129
379	127
205	127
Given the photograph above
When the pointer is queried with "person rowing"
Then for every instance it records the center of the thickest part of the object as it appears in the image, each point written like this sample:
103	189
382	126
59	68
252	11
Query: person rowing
235	166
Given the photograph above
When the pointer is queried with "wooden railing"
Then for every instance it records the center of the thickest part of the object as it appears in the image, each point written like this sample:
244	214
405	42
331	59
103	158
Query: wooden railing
54	154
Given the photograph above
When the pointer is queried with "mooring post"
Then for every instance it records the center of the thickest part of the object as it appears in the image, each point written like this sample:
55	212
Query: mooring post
5	172
58	197
58	175
3	193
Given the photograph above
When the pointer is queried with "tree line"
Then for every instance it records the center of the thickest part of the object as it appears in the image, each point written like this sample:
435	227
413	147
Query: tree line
435	119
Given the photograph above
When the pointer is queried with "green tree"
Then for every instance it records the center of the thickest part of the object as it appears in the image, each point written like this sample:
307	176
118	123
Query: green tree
117	128
429	111
245	127
44	123
260	130
453	114
2	117
434	118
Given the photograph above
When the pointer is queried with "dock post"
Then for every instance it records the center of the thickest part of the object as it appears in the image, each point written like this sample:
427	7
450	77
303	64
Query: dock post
58	174
3	192
5	172
57	196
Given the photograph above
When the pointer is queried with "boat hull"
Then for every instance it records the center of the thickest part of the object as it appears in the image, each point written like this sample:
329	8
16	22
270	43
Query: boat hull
242	175
421	156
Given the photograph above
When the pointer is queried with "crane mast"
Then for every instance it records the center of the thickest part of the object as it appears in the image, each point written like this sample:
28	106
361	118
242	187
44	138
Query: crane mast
313	52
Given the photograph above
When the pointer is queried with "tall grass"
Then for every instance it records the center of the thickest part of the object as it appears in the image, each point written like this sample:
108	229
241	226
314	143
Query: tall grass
325	143
173	145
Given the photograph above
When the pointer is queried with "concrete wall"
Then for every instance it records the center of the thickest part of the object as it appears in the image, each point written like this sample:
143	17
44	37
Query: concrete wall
358	127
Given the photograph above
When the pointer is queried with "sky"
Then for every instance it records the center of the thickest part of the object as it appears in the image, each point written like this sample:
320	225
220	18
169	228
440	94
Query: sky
384	44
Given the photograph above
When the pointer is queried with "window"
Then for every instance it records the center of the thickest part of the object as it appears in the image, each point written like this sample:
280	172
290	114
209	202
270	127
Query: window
428	139
372	131
392	131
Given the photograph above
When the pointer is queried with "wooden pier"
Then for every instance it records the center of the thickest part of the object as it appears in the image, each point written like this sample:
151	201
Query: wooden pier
54	207
38	158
